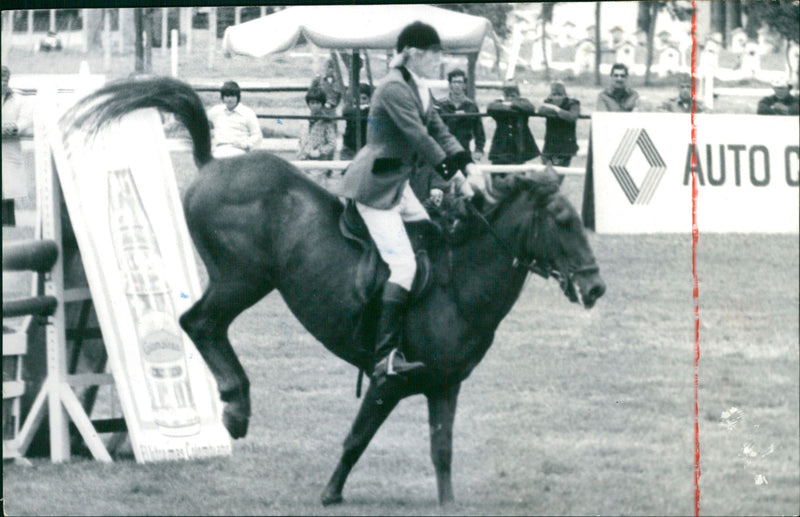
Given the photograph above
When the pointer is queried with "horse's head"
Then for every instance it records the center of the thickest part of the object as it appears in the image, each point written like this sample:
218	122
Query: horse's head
551	240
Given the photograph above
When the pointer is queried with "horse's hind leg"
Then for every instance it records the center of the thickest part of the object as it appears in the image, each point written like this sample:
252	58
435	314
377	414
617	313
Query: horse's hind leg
377	405
206	323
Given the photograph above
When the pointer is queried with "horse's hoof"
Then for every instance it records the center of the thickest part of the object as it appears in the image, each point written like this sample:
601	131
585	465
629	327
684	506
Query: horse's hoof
235	422
329	498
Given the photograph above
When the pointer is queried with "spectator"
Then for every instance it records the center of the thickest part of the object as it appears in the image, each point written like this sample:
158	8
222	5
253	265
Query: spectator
513	142
618	97
17	122
349	147
320	141
236	128
782	102
560	142
329	80
683	102
464	129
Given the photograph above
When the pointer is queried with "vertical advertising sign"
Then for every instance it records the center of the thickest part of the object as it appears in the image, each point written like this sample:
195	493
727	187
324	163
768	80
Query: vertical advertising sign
747	173
123	202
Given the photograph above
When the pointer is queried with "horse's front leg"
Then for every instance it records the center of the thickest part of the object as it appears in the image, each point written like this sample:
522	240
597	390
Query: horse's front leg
377	405
206	323
441	414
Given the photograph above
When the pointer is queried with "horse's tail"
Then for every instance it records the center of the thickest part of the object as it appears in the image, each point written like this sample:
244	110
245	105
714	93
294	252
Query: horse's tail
119	98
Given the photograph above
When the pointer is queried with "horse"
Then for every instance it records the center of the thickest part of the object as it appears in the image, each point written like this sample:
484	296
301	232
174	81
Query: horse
259	225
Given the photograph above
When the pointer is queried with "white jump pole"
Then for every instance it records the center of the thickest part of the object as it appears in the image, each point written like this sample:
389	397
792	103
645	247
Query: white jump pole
174	53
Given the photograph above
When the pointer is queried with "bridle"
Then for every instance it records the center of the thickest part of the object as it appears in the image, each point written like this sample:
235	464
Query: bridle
543	268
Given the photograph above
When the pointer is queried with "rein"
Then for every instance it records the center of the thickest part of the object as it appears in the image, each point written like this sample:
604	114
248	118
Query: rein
543	270
516	263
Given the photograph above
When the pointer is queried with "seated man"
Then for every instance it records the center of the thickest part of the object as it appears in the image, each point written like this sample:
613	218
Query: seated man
782	102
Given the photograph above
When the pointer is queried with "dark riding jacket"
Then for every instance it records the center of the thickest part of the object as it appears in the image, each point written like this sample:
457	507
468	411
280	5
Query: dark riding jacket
401	138
513	142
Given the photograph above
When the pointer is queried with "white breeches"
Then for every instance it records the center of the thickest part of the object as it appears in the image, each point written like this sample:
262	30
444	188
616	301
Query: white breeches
387	230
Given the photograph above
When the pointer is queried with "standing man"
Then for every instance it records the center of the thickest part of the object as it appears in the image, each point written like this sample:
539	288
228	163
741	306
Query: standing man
404	133
513	142
683	102
236	128
618	97
781	103
562	112
17	122
463	128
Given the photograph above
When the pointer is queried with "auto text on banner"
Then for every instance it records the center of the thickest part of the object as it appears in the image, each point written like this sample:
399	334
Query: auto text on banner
123	201
748	171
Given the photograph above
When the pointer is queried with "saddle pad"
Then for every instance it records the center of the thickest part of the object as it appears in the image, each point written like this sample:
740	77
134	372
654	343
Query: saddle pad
368	277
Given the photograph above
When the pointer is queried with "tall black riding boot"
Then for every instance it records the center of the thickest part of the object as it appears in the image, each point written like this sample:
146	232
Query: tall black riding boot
390	361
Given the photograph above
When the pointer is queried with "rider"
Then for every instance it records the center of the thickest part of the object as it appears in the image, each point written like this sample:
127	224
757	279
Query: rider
404	132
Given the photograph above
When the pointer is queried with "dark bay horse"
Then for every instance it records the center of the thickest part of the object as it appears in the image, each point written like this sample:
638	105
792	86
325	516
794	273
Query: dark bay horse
259	224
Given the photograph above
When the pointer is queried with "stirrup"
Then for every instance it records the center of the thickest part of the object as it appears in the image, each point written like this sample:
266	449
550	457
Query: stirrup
386	367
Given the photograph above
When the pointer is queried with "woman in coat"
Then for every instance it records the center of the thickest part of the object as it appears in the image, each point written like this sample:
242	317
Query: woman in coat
404	133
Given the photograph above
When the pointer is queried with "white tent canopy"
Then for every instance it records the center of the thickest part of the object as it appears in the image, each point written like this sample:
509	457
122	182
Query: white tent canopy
353	27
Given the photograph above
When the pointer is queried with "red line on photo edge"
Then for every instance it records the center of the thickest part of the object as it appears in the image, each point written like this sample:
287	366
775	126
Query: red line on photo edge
695	289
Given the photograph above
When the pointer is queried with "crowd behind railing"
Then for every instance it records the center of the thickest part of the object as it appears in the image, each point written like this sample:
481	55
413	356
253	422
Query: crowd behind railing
236	129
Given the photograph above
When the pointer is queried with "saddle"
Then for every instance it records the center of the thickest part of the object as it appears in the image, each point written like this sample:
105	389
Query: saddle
424	236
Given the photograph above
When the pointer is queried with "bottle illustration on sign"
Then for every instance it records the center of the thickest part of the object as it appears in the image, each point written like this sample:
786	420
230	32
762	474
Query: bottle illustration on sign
149	297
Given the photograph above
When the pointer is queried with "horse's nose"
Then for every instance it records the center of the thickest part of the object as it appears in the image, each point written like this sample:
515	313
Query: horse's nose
596	289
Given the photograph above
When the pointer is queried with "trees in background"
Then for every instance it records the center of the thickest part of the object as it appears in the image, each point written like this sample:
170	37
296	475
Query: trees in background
598	44
494	12
545	17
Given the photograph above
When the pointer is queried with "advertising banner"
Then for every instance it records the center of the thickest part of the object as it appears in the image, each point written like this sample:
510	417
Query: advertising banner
747	173
124	206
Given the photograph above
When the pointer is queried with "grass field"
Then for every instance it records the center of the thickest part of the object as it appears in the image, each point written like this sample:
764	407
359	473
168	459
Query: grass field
571	412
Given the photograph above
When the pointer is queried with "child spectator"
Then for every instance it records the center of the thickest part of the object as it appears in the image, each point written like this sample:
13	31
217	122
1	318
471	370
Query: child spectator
560	143
320	141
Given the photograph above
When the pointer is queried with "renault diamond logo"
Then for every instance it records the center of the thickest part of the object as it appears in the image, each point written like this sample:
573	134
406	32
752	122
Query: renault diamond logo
637	195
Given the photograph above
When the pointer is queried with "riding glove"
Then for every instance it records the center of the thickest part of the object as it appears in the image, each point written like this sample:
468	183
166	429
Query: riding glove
453	163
